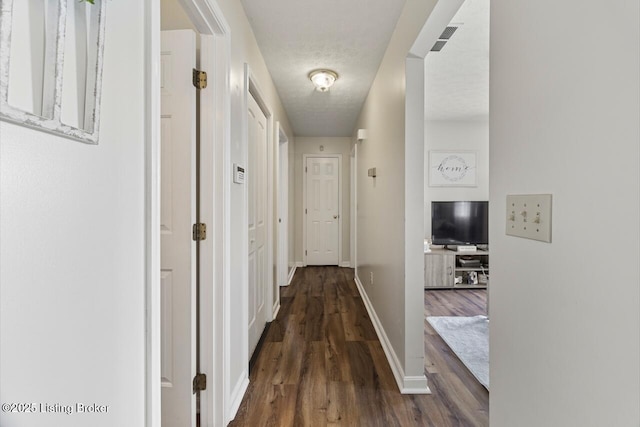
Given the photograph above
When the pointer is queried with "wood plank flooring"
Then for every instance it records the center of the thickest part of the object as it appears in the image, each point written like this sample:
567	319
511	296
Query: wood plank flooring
449	380
321	363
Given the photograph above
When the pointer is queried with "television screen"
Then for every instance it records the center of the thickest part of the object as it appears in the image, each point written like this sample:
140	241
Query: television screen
460	223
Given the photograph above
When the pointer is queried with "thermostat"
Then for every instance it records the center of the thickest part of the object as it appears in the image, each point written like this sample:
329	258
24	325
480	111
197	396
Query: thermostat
238	174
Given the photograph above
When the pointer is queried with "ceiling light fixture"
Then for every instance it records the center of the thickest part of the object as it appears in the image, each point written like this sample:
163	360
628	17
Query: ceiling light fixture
323	79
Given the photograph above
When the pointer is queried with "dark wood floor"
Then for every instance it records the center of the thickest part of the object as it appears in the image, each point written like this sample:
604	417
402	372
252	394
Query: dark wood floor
449	380
321	363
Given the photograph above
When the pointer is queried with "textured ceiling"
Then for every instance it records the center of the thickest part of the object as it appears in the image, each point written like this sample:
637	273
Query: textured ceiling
457	77
347	36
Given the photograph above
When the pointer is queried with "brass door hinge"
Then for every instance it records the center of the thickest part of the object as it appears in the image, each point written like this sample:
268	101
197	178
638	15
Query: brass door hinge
199	383
199	79
199	231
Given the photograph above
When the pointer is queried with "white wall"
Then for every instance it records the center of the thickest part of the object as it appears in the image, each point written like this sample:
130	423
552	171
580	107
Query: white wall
332	145
456	135
72	250
381	201
565	316
174	17
244	49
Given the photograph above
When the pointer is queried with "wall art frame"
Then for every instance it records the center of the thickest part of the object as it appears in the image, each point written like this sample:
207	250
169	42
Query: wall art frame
50	120
452	168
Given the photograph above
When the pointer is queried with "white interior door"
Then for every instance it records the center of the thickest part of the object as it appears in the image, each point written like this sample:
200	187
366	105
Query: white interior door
323	210
283	213
257	176
178	260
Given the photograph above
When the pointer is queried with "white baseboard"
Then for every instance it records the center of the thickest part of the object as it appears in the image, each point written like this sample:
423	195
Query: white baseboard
406	384
276	309
235	399
346	264
291	273
415	385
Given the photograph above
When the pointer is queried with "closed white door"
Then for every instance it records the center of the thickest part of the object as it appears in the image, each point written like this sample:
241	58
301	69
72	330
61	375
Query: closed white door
322	210
177	215
257	180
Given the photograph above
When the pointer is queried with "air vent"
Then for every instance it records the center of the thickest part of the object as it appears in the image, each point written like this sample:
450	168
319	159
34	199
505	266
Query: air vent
447	33
444	37
437	47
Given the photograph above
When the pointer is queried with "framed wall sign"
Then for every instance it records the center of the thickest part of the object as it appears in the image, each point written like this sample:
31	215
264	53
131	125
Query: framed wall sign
51	55
452	169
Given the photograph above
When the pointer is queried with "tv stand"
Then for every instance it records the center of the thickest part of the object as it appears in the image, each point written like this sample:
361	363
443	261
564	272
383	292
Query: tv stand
443	266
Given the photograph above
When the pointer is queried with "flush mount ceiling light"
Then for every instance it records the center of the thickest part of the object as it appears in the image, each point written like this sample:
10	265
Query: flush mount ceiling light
323	79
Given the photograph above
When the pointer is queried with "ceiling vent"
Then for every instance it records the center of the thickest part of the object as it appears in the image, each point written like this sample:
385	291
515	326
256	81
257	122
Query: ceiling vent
437	47
447	33
444	37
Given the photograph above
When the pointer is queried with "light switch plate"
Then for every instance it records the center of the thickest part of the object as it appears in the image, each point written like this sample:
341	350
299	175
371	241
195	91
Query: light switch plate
529	216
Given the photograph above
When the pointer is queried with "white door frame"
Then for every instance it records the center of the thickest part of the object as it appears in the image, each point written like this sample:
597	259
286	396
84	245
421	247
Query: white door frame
282	269
215	403
304	204
251	88
354	203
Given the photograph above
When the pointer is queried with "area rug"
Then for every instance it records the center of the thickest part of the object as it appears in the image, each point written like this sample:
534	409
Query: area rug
468	337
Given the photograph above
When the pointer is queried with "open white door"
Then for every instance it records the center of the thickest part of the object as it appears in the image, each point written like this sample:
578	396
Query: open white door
257	175
178	214
322	210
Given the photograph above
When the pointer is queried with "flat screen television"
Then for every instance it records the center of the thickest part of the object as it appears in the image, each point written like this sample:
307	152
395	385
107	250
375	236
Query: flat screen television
460	223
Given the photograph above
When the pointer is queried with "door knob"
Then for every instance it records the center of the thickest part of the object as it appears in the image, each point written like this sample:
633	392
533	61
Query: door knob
335	217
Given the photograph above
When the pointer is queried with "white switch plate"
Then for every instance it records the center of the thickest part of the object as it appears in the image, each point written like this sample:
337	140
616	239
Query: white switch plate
529	216
238	174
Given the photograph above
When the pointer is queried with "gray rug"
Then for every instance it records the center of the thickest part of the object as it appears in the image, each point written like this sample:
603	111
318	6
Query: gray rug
468	337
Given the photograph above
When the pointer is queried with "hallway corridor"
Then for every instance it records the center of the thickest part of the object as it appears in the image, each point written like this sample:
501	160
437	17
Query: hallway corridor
321	364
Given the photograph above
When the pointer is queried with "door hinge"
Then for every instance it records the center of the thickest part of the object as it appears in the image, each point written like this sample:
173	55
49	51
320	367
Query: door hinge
199	231
305	211
305	169
199	79
305	252
199	383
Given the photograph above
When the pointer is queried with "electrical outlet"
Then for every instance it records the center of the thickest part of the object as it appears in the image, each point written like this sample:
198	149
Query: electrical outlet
529	216
371	278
